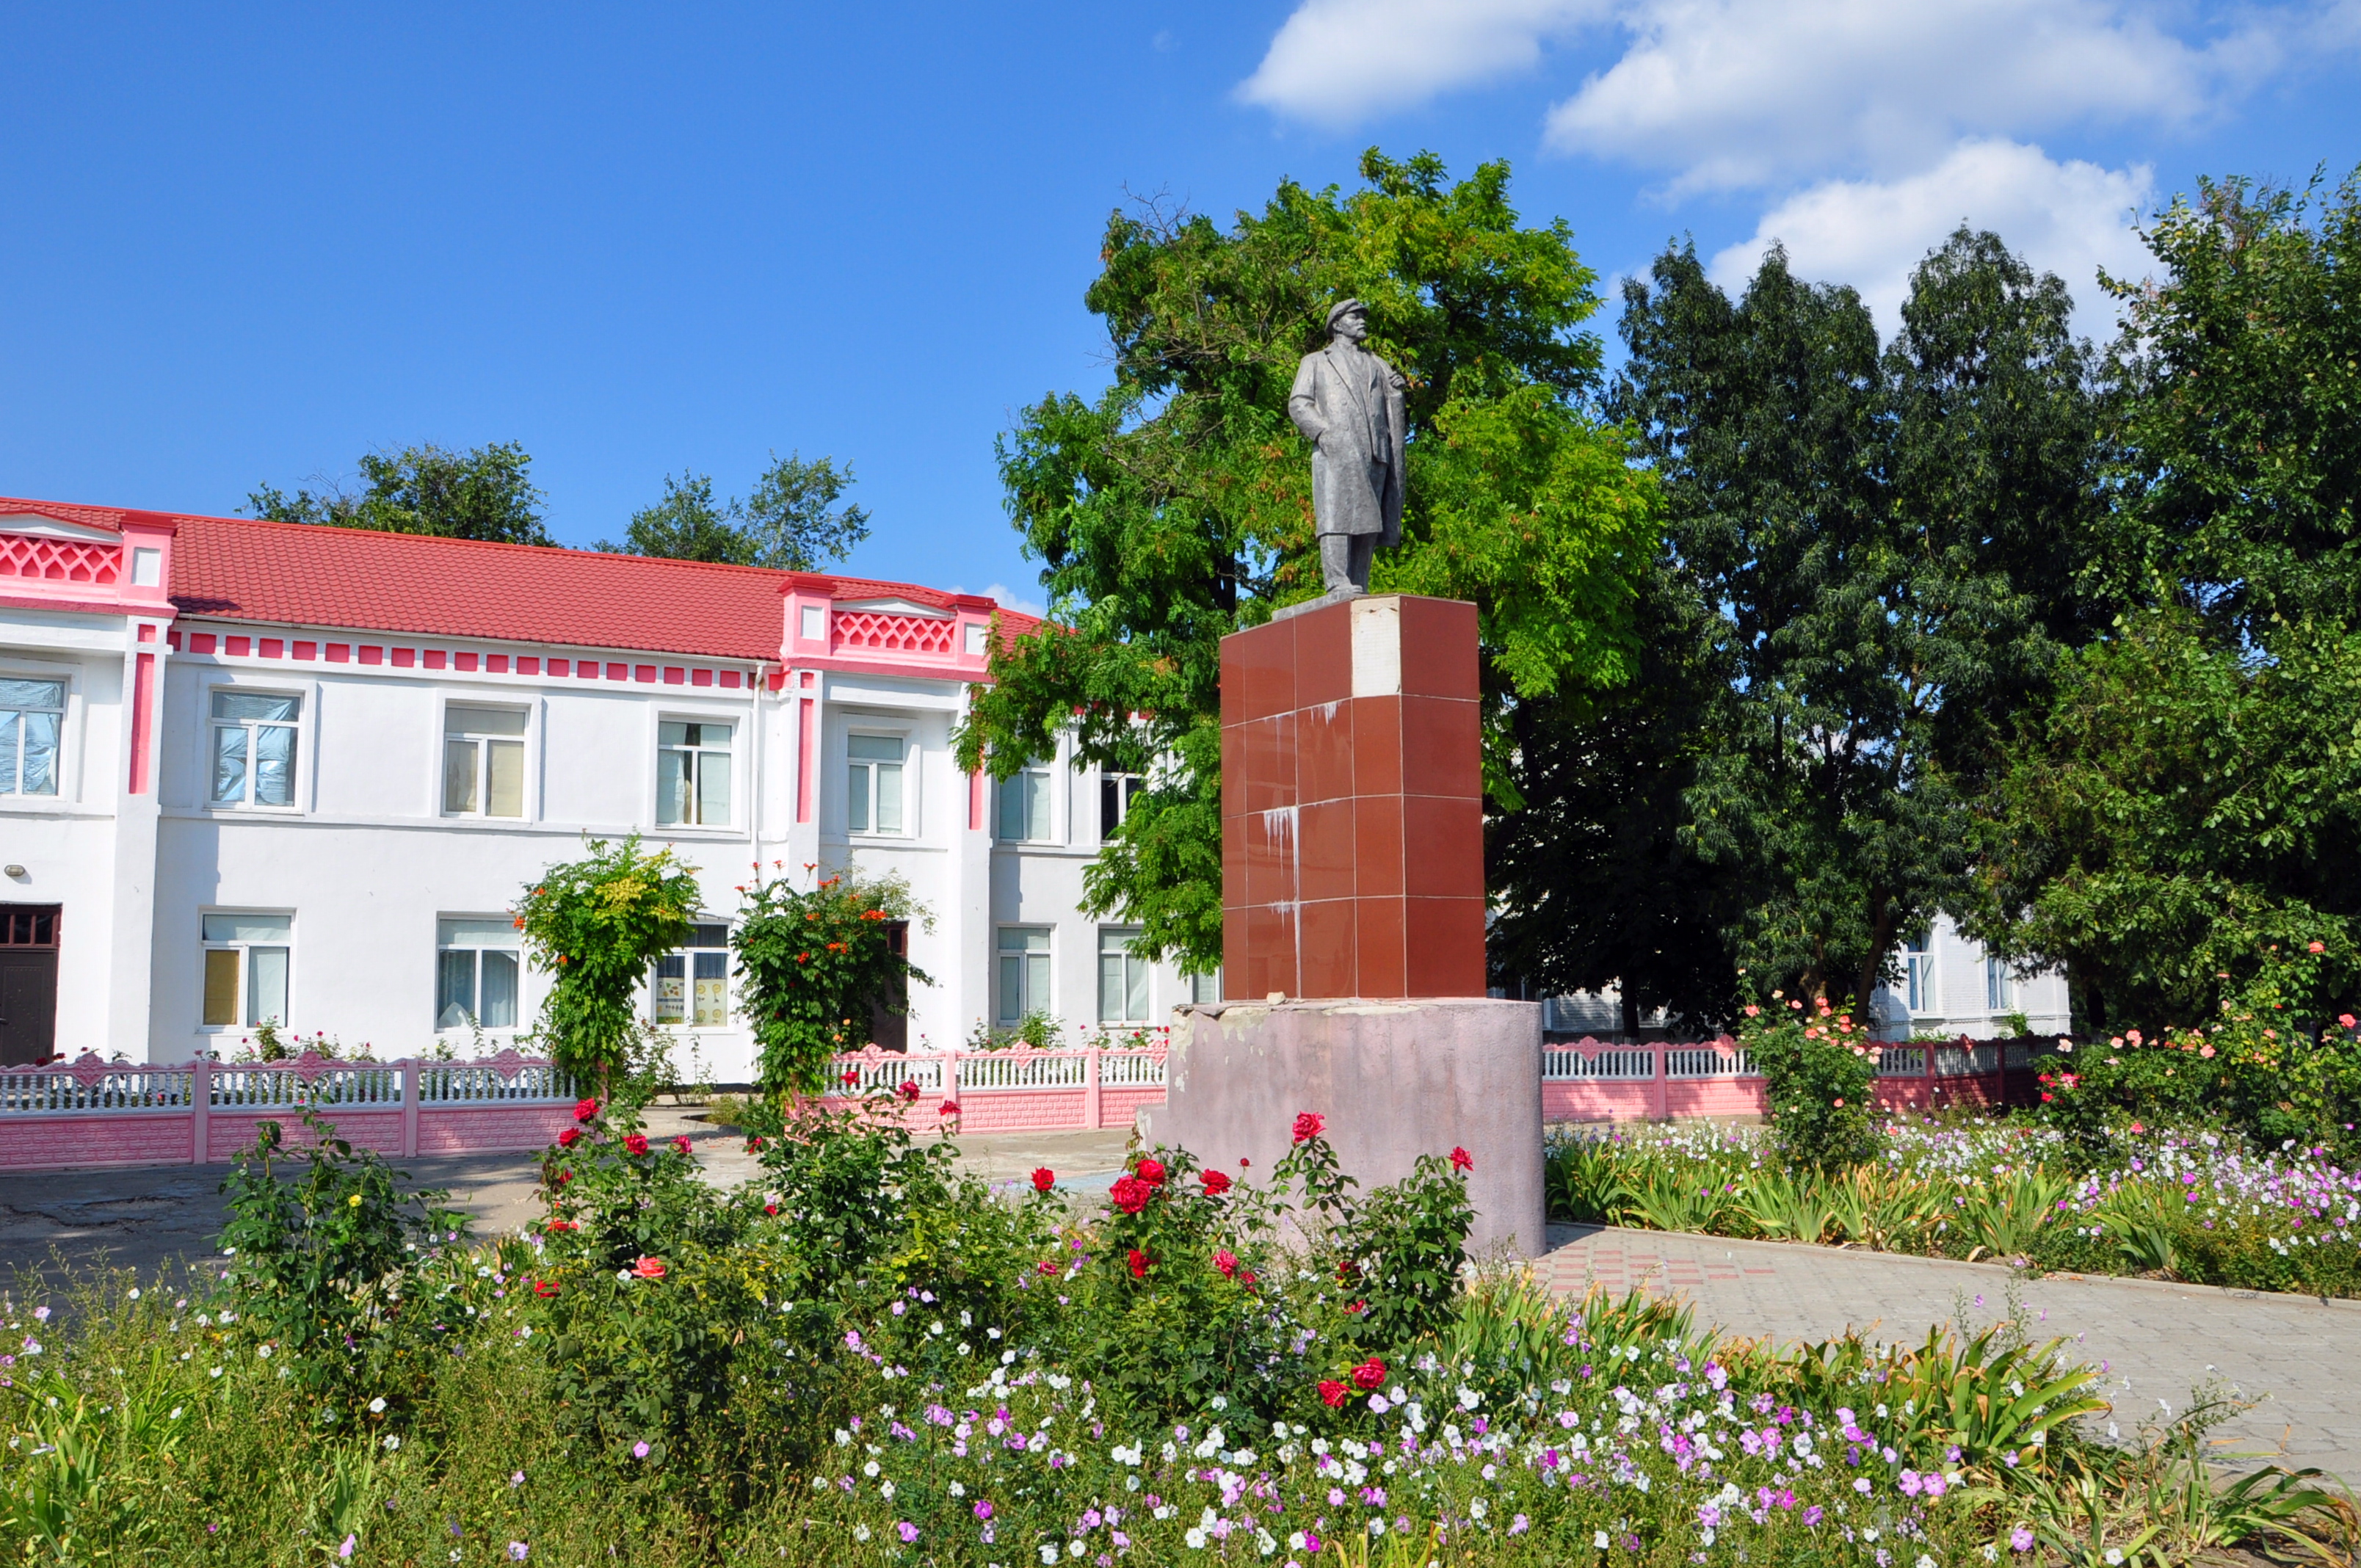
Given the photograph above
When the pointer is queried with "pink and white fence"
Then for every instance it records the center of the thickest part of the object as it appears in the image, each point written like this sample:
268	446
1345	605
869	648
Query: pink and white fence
1585	1080
1017	1090
1022	1090
94	1112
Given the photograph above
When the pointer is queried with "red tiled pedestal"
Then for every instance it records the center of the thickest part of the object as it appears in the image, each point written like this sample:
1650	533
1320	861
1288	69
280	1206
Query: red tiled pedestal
1351	802
1353	883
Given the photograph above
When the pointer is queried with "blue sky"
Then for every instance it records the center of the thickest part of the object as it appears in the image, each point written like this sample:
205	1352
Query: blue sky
251	242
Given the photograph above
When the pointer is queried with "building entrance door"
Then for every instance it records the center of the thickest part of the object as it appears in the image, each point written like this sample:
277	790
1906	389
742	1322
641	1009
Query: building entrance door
28	984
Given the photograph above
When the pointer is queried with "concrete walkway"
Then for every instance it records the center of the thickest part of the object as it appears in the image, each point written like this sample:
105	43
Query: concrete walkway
2154	1342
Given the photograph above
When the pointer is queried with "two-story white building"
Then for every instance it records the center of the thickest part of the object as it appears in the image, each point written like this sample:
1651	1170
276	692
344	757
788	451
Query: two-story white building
257	771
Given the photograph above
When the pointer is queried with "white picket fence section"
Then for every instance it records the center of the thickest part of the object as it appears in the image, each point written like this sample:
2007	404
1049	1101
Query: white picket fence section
1706	1061
93	1113
40	1091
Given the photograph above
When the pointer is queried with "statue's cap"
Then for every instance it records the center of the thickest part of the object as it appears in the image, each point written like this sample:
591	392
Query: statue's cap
1340	307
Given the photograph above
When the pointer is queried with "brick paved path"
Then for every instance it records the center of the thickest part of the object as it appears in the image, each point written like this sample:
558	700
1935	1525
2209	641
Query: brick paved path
2299	1355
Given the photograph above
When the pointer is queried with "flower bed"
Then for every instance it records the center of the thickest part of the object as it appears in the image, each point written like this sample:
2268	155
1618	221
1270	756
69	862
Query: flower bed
860	1358
2197	1206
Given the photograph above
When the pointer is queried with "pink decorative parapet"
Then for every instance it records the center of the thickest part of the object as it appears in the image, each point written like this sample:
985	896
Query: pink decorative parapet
94	1112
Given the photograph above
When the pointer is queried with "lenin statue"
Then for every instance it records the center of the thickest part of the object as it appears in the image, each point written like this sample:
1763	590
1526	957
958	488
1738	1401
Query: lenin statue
1348	404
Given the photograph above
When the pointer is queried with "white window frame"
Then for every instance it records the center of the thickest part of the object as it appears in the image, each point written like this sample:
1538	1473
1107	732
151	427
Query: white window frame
1002	956
688	980
242	1007
530	740
1046	772
299	783
1919	977
1139	976
911	753
69	755
1127	788
736	723
514	948
2000	986
1205	988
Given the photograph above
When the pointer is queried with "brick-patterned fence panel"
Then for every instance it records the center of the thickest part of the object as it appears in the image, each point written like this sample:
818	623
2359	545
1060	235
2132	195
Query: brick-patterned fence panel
1588	1080
92	1113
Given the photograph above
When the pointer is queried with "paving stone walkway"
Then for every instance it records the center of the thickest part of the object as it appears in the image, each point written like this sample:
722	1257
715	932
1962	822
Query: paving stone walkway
2155	1342
164	1217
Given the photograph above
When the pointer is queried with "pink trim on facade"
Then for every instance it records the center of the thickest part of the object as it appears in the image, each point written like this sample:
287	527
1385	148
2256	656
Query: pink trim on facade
522	666
143	717
806	728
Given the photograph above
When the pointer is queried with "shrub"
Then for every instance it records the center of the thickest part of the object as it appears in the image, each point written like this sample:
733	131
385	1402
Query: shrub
848	1180
1405	1247
594	925
1818	1067
317	1264
2263	1068
950	1401
812	964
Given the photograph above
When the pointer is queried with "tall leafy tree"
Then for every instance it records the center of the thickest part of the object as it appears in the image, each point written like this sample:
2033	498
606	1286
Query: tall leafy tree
2179	809
484	493
796	521
689	524
2187	800
1884	538
797	516
1595	884
1175	506
2239	418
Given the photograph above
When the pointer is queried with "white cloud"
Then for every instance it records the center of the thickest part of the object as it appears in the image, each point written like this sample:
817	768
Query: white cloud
2070	218
1008	598
1336	61
1733	94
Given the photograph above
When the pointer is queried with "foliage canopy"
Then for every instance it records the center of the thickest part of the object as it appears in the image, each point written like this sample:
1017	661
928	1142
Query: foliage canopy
796	521
483	493
1880	540
1176	507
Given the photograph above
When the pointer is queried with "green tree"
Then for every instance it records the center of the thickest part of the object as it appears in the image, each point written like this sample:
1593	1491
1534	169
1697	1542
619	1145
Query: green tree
1887	541
593	925
2180	810
1594	883
796	519
687	525
2239	414
2183	804
485	493
1176	507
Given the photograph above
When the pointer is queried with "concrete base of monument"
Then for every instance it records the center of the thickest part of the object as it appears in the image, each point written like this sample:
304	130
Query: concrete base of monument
1393	1079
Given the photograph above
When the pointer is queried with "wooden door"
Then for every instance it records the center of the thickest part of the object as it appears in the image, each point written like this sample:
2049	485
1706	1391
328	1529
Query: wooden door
889	1028
28	984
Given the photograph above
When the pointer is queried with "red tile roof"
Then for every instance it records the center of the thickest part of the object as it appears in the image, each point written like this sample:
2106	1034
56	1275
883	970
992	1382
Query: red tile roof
298	573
